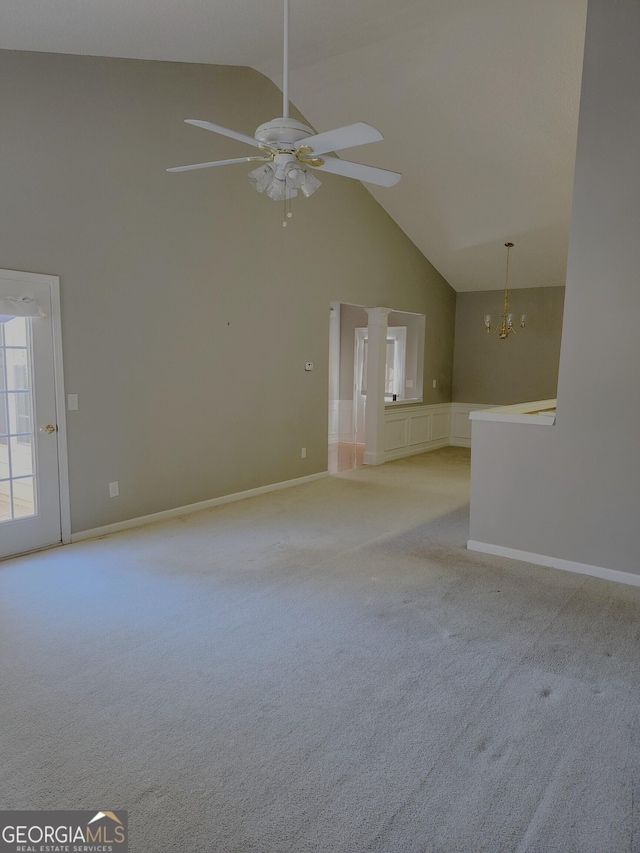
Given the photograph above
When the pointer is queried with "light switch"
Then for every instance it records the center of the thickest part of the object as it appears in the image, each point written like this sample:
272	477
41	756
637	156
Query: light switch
72	402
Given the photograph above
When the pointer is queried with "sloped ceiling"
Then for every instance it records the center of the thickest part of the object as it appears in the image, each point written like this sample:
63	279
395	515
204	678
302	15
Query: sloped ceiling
477	100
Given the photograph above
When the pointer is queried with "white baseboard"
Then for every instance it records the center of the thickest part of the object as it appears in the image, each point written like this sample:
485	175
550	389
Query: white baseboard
414	450
555	563
176	512
369	458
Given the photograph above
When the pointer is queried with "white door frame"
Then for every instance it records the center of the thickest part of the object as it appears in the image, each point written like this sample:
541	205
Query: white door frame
53	281
398	334
359	417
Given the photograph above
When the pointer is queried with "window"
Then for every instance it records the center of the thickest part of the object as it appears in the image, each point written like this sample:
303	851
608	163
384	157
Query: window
17	482
395	366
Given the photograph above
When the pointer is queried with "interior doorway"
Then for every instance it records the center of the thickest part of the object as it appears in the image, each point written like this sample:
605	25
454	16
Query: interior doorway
348	369
346	449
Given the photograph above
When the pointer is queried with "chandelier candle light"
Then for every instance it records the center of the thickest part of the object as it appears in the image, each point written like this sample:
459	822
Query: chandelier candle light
506	321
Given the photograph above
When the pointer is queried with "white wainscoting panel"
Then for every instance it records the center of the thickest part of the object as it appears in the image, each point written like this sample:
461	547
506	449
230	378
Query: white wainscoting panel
395	433
345	421
461	425
440	425
410	430
419	429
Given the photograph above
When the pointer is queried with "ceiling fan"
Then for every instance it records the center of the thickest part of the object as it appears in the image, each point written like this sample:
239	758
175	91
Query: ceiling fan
288	147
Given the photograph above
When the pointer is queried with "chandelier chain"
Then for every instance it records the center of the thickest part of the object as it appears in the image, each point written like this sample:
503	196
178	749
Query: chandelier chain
505	327
506	279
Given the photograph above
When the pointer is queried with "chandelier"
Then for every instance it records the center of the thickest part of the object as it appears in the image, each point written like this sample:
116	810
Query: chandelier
505	328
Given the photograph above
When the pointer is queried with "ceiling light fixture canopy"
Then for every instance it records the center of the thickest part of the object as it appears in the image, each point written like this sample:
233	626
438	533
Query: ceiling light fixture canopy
505	327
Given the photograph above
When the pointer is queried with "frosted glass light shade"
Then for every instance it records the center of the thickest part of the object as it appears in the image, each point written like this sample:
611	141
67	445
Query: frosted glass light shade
309	183
300	179
264	179
261	178
277	189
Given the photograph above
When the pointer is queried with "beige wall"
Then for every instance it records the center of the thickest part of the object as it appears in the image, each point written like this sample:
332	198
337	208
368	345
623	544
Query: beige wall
188	310
525	366
570	491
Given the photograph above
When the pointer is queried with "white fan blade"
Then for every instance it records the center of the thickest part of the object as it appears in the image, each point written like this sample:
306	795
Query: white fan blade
370	174
216	163
224	131
343	137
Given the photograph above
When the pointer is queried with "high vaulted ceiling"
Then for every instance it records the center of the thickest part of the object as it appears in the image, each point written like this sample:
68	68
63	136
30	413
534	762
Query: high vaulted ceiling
477	100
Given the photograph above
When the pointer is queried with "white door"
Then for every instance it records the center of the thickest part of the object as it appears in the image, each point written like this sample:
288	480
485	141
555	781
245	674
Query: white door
29	465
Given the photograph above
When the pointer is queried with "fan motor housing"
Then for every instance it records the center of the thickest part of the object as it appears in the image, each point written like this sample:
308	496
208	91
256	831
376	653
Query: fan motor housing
283	133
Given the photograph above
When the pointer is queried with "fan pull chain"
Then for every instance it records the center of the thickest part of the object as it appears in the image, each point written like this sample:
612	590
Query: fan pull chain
287	211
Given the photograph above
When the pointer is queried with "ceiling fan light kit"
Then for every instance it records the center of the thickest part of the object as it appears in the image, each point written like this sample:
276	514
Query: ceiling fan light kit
291	149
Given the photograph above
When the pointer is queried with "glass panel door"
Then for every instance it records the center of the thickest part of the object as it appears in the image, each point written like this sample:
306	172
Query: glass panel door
29	473
17	477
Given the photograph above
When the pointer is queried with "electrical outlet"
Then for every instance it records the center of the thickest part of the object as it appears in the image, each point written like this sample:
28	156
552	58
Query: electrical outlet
303	454
114	489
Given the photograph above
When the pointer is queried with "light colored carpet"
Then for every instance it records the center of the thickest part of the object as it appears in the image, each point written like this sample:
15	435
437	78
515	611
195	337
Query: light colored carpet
324	669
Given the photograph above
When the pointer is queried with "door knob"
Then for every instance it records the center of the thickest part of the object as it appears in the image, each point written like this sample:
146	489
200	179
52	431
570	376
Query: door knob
49	428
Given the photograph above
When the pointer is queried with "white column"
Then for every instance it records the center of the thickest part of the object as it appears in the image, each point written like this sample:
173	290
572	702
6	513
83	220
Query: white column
376	363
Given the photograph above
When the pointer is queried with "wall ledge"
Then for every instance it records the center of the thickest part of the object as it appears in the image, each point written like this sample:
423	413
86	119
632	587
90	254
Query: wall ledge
539	413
